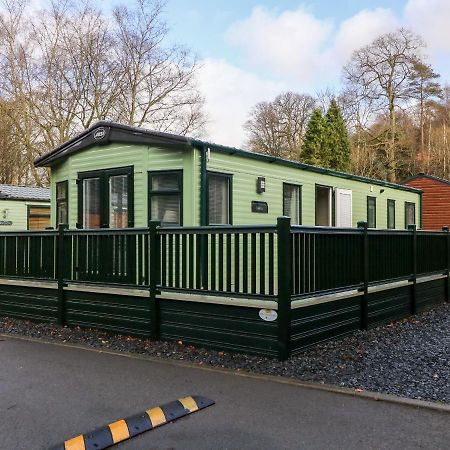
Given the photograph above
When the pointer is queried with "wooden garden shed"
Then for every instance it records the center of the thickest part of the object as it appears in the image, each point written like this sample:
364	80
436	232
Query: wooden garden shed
436	200
117	176
24	208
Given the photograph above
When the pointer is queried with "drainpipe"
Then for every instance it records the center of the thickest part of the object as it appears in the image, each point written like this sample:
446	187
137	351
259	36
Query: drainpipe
203	181
203	266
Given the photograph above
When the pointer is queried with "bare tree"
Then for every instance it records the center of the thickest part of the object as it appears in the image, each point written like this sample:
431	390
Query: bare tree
69	65
278	127
158	84
380	73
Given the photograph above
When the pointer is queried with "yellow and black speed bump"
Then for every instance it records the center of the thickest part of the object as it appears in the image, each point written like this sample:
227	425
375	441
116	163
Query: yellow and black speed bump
127	428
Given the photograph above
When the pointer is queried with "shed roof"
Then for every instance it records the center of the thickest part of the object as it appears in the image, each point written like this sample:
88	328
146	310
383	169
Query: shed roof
425	175
105	132
11	192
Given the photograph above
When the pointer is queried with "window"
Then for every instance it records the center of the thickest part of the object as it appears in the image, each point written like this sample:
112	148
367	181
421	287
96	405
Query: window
165	197
118	201
105	198
391	214
292	206
62	203
410	214
371	212
219	199
38	217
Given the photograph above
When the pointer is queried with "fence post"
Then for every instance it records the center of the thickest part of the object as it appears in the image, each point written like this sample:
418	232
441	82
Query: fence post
61	308
447	271
365	266
413	297
284	286
155	277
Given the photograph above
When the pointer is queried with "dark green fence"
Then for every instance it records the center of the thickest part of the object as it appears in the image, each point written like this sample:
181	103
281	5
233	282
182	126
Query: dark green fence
232	260
279	264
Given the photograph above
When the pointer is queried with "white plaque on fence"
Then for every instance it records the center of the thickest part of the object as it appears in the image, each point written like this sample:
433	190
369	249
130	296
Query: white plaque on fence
268	315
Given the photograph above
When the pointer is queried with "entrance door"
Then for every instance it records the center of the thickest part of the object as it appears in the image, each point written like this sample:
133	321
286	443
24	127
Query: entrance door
323	206
343	208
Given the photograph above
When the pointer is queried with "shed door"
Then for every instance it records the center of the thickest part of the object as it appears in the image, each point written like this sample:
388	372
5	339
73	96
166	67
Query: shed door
343	208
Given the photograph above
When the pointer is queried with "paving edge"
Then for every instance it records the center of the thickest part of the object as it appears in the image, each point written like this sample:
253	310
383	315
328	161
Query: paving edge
387	398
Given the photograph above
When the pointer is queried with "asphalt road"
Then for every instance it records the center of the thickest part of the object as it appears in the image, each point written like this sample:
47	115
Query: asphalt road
50	393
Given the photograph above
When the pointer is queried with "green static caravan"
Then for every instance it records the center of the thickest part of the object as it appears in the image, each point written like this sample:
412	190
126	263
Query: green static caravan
24	208
117	176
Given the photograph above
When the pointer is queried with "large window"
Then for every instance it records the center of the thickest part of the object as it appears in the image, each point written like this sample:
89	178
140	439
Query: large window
410	214
391	214
38	217
166	197
106	198
219	199
292	206
371	212
62	203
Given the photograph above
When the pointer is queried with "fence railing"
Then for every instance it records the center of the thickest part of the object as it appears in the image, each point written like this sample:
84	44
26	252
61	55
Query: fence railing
238	260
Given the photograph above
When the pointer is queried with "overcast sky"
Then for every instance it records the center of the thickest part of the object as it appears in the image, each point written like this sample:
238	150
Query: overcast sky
252	50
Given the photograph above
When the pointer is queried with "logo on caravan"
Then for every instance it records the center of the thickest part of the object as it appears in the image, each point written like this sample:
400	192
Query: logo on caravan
99	133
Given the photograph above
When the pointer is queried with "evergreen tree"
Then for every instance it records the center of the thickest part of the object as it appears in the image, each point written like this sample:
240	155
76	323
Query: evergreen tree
336	142
313	144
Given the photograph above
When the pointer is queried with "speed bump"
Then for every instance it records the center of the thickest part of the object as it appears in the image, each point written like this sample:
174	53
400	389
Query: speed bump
123	429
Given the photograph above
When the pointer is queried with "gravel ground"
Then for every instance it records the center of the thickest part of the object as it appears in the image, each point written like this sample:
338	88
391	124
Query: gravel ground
409	358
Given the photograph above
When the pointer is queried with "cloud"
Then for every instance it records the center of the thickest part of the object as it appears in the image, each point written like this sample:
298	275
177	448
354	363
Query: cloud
287	44
230	93
360	30
298	46
431	19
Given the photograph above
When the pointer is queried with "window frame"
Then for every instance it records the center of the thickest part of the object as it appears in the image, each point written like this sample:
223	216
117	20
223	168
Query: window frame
300	198
390	201
406	213
58	201
229	177
104	175
369	199
151	193
29	207
331	208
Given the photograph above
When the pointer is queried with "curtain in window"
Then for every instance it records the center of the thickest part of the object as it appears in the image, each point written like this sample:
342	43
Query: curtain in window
410	214
166	208
218	200
165	192
291	203
91	203
61	203
118	201
371	212
391	214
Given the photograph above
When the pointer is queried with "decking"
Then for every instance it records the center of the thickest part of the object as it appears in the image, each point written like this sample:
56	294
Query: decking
271	290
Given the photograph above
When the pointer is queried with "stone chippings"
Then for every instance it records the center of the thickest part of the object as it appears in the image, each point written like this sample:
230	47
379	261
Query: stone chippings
409	358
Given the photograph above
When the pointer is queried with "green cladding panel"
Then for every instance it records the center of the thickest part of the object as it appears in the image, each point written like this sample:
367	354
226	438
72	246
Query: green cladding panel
143	159
245	172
